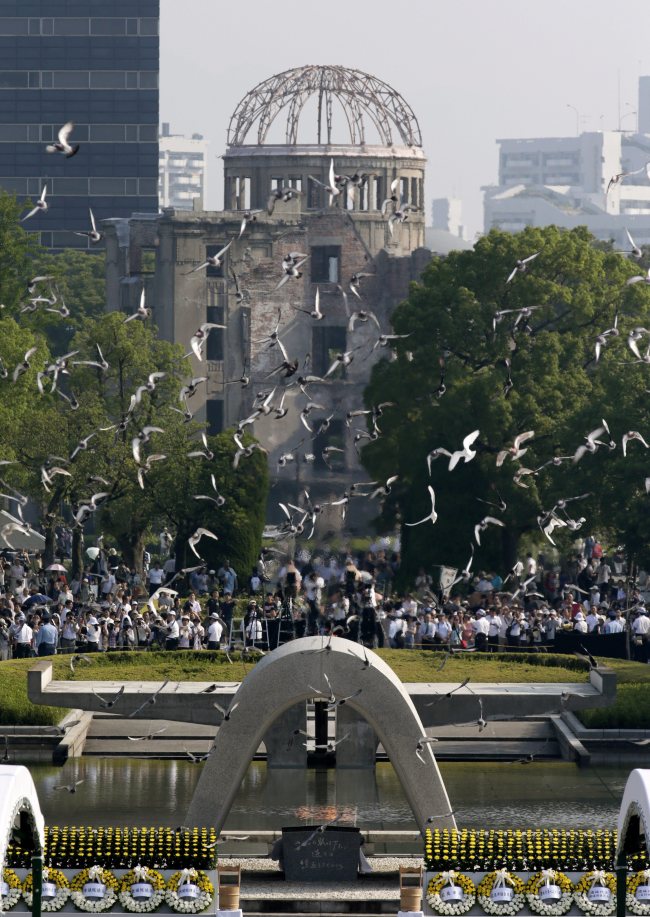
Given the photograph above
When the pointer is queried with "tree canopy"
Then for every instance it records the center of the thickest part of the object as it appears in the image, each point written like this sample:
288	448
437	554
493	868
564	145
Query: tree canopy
473	360
78	415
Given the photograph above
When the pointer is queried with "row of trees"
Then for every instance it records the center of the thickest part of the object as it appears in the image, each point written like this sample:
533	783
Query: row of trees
541	375
42	430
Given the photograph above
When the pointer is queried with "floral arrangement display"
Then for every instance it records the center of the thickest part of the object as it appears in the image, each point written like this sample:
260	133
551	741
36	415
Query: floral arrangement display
524	851
141	875
500	892
595	893
634	902
192	879
451	893
99	876
14	890
539	903
55	877
72	847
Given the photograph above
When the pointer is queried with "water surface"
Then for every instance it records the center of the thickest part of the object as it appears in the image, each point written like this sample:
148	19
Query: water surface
138	792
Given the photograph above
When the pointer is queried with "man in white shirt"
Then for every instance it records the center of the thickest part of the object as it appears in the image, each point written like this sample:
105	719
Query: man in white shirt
215	631
494	626
173	631
156	577
481	629
593	619
108	583
93	632
409	606
396	628
603	574
614	623
21	637
641	635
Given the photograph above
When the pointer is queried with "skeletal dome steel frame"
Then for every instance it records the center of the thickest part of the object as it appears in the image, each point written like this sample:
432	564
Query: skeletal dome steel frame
361	96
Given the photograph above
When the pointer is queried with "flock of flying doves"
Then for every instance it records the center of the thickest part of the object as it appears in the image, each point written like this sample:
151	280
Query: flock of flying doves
301	516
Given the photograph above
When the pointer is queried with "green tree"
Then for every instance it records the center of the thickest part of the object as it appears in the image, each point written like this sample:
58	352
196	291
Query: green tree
574	290
17	251
41	425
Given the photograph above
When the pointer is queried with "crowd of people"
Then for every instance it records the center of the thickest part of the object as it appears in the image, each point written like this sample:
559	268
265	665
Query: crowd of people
111	607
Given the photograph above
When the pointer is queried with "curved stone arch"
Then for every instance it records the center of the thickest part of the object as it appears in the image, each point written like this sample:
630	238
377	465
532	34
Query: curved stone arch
18	798
296	672
634	814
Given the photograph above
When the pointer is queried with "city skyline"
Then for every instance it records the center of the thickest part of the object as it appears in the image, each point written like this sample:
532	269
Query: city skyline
518	77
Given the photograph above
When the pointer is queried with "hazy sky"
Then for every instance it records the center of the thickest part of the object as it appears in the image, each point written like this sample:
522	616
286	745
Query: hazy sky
472	70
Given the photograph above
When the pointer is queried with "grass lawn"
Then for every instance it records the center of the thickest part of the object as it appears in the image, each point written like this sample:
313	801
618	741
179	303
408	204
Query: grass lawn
631	709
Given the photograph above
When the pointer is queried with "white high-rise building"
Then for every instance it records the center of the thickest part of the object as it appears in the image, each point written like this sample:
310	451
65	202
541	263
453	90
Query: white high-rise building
566	181
183	170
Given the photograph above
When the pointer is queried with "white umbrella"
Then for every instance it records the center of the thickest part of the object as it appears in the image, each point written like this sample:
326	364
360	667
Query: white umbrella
93	553
58	568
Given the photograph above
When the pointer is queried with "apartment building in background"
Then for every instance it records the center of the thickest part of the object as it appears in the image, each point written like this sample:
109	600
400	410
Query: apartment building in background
183	170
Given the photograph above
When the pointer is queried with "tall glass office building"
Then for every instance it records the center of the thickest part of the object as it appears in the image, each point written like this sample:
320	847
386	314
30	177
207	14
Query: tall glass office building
94	62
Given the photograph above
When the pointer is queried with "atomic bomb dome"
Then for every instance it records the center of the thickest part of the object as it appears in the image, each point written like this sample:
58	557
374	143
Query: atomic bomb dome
286	131
363	99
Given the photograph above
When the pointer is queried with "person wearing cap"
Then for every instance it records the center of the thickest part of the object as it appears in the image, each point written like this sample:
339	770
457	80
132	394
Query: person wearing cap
579	623
142	630
614	623
185	632
84	591
594	598
481	629
172	633
215	631
127	638
93	632
252	625
254	582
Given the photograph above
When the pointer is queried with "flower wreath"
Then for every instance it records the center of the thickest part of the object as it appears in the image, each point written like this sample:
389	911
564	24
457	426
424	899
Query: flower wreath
632	902
499	879
552	907
596	878
15	890
189	905
141	874
56	877
452	879
101	876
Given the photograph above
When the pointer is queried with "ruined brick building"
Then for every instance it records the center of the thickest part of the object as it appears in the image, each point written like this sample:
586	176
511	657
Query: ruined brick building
351	236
